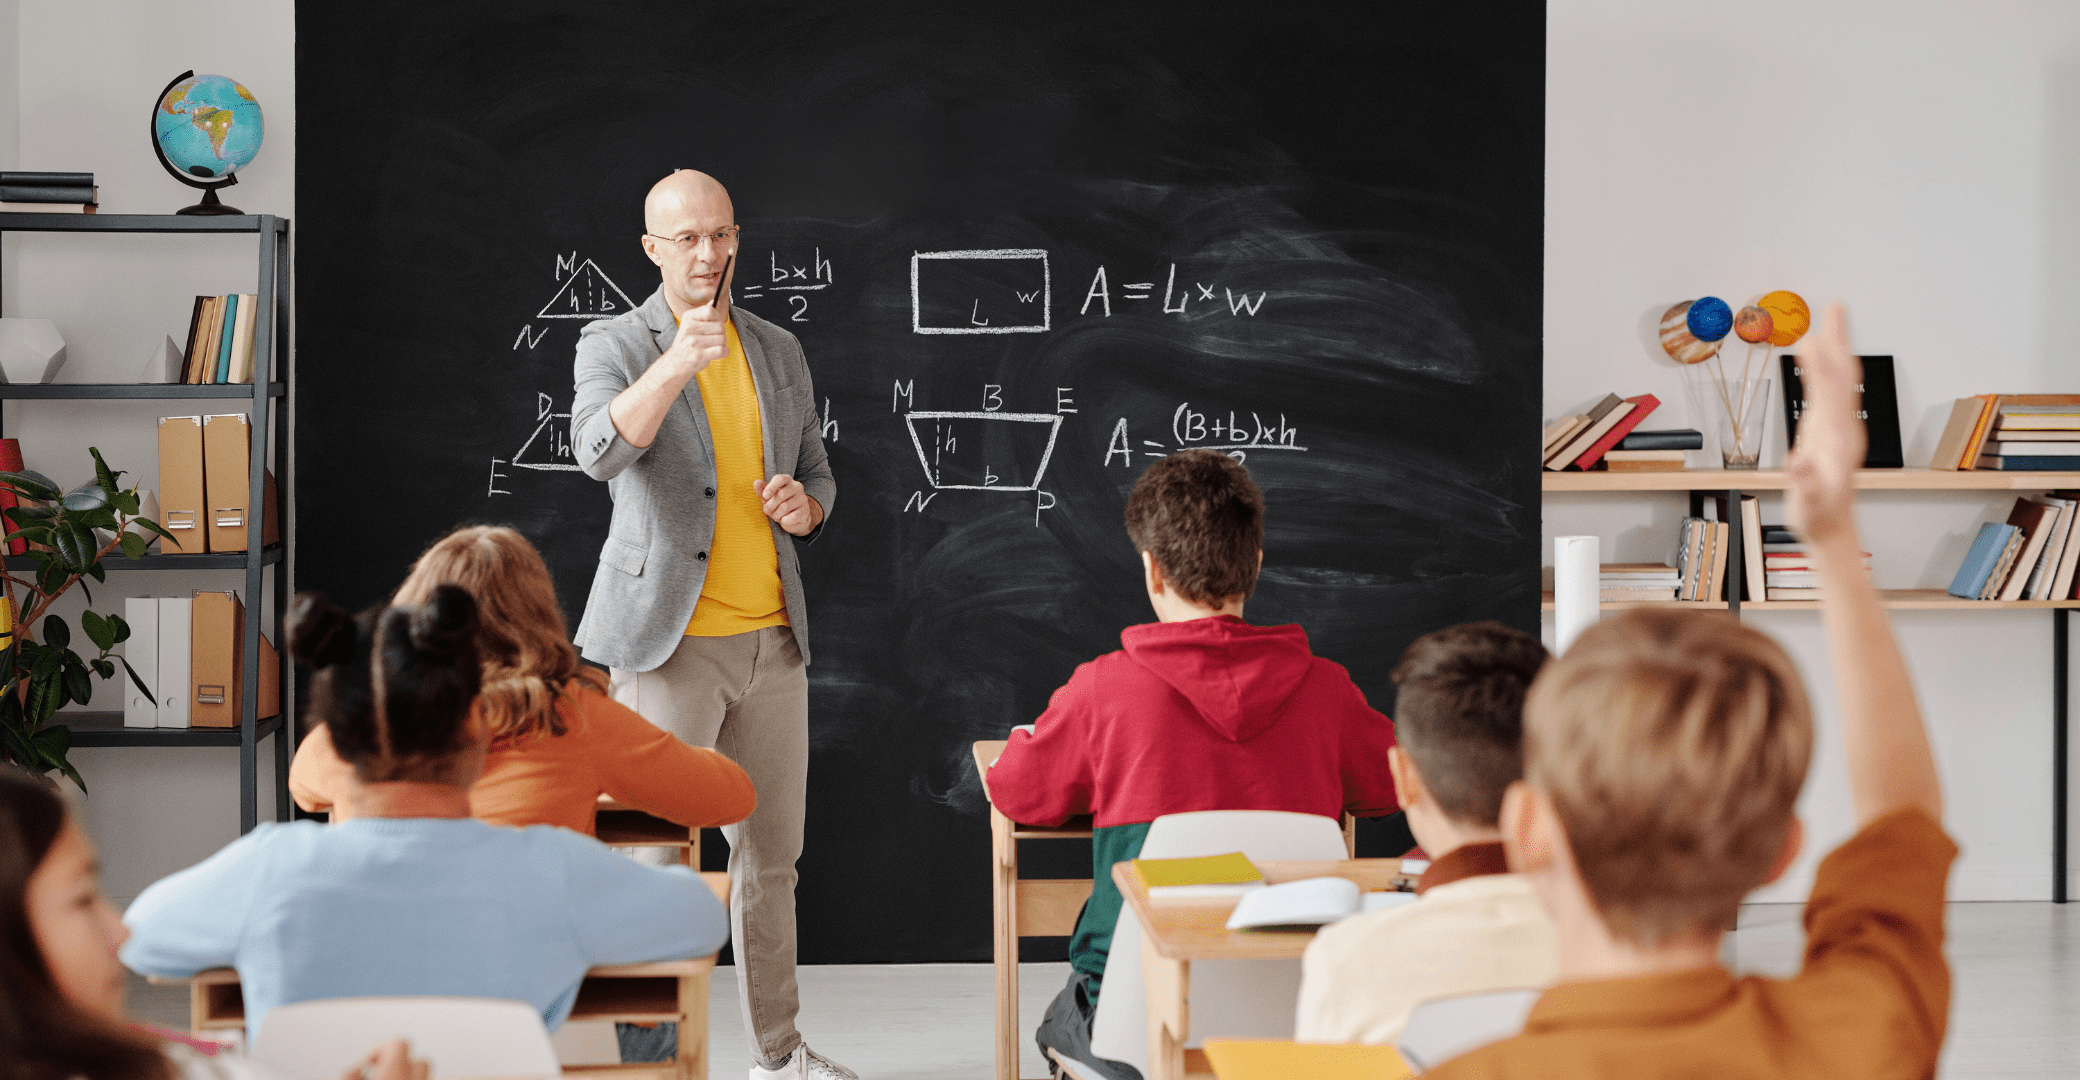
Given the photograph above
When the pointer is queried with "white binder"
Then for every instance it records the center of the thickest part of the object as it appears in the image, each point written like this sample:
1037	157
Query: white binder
176	645
142	651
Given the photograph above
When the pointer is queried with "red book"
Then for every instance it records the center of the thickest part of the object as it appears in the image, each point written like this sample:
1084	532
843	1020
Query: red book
1641	406
11	461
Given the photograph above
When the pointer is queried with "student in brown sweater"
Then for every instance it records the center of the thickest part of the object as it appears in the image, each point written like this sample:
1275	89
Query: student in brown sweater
1663	755
558	741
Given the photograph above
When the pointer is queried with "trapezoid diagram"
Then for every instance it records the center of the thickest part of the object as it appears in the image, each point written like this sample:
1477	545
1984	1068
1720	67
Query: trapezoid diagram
992	291
983	451
587	294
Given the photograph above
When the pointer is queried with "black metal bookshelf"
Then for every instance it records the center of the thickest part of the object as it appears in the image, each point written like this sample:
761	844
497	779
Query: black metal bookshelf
264	406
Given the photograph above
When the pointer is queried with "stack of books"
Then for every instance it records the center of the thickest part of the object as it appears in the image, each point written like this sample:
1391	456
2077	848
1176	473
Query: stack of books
2031	556
1788	570
1653	451
2014	432
48	193
1701	559
1581	442
220	339
1638	581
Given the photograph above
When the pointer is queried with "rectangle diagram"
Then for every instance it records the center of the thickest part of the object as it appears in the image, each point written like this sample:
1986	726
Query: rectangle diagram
995	291
983	451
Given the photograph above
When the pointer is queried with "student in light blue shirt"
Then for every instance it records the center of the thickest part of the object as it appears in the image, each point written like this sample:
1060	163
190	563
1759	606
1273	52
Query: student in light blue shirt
412	896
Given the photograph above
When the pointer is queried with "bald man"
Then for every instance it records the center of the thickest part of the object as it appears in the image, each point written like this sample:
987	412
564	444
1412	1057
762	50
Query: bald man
702	421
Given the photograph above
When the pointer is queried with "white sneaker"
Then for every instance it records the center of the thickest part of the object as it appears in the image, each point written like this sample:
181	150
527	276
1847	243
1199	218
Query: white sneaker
804	1064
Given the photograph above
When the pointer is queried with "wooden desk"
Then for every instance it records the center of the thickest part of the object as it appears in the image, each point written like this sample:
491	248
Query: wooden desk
661	991
619	825
1176	932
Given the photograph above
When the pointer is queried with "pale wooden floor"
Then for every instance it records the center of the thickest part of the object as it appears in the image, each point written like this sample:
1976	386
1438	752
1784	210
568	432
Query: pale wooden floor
2015	1014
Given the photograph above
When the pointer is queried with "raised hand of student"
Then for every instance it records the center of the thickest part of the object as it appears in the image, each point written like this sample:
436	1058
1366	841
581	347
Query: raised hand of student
1821	501
391	1061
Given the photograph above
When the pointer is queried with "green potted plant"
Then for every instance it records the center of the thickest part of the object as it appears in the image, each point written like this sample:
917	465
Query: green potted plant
43	675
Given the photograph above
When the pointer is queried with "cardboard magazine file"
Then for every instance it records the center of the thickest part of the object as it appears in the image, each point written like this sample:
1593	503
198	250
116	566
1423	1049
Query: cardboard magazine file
180	485
216	663
227	449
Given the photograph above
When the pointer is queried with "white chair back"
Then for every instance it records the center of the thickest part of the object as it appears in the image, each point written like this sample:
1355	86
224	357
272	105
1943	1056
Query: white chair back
1232	999
458	1037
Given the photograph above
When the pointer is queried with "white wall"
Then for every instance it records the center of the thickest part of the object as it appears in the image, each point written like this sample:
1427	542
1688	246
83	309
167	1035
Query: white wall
1920	161
80	79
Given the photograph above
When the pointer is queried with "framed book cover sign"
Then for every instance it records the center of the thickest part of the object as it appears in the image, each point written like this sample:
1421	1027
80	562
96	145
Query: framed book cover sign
1880	412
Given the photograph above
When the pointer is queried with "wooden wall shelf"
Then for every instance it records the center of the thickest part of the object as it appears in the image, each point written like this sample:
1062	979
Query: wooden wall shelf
1775	480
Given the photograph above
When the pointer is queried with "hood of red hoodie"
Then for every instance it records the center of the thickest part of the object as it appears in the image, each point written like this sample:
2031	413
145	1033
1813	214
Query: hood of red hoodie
1236	675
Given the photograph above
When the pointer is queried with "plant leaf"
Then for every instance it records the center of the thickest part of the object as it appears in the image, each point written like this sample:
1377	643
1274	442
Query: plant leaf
56	634
127	502
137	681
76	548
148	523
103	668
45	695
79	684
134	545
51	745
102	474
31	484
121	628
85	497
97	630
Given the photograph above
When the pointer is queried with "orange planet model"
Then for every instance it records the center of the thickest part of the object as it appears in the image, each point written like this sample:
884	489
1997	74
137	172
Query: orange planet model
1753	325
1788	315
1677	339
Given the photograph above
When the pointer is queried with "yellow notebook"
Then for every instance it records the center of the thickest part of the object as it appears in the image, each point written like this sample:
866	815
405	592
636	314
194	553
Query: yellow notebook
1277	1059
1231	869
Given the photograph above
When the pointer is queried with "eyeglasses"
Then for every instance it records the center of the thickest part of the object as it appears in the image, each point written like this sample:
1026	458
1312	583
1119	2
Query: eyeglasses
720	238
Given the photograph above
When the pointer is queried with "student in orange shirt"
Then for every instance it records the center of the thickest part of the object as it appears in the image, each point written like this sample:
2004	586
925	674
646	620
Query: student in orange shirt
1663	755
558	740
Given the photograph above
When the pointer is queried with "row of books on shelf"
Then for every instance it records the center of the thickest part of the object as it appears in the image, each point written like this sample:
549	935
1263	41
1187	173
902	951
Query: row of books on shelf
48	193
1608	436
189	651
2015	432
1775	564
2031	556
220	340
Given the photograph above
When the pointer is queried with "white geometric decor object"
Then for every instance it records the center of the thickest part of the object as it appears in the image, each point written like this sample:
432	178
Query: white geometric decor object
165	364
31	350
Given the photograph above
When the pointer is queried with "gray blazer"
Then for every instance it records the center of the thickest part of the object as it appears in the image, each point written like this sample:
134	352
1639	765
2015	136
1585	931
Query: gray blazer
655	559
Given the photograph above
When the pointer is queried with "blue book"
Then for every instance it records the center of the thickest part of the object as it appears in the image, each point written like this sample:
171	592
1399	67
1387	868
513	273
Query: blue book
2041	463
1980	561
224	349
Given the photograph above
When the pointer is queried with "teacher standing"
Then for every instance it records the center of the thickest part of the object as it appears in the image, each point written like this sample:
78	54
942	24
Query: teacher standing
701	419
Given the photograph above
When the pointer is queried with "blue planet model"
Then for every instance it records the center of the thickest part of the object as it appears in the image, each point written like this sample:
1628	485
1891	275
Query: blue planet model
1710	319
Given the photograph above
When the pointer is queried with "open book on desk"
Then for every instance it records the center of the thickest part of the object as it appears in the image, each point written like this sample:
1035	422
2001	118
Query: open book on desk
1310	902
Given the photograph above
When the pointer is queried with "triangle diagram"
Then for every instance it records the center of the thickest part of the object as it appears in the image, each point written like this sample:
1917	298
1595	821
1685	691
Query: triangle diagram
548	449
587	294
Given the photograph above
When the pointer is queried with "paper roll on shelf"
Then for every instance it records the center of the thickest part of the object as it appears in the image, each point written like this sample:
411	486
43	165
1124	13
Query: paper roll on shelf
1577	588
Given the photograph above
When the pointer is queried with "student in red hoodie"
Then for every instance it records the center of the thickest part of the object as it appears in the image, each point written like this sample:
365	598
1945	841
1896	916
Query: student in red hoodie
1199	711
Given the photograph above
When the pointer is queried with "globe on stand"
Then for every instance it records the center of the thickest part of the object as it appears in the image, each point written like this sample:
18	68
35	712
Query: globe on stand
204	129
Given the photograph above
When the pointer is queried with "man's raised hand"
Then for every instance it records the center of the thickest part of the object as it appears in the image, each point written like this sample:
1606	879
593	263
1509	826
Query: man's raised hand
701	340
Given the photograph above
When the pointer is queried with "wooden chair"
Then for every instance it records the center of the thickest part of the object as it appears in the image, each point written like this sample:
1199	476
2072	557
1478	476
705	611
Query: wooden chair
1033	907
661	991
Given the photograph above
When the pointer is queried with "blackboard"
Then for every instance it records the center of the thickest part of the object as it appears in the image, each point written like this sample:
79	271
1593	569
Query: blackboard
1308	233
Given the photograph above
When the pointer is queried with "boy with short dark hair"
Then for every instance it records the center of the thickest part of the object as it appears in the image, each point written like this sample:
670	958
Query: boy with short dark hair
1663	756
1477	928
1199	711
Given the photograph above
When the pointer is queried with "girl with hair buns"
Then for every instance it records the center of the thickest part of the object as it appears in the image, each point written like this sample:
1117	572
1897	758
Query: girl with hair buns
61	986
558	742
411	896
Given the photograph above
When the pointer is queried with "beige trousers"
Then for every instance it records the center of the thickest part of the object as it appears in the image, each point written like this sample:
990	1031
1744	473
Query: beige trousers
747	696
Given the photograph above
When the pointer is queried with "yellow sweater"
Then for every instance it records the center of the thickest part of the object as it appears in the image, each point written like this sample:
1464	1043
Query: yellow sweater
742	589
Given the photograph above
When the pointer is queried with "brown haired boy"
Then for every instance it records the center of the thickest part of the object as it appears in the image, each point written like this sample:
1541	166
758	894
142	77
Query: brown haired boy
1199	711
1477	928
1663	754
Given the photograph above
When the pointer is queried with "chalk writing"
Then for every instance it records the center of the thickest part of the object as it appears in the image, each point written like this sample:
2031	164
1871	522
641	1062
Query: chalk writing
547	449
790	281
1176	301
1191	429
587	293
983	451
993	291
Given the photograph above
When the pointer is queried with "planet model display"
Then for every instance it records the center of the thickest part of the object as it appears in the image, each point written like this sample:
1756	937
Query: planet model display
1679	342
1788	315
1753	325
1710	319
